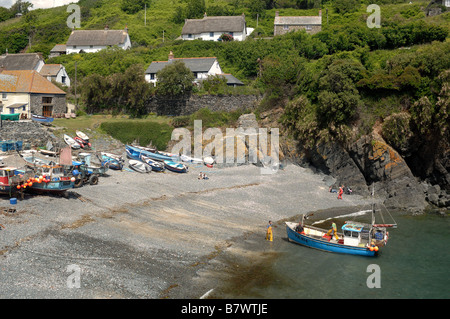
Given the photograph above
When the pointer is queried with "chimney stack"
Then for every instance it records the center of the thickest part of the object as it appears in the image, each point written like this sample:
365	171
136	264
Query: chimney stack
171	56
126	28
204	16
106	28
320	12
277	13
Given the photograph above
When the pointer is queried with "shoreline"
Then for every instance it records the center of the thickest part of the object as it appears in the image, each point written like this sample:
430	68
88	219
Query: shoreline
149	236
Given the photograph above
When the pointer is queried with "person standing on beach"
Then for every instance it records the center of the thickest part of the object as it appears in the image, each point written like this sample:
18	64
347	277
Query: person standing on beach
341	191
269	232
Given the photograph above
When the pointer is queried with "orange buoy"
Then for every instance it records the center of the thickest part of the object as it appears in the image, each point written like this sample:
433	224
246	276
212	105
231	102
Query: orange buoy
371	248
18	186
376	248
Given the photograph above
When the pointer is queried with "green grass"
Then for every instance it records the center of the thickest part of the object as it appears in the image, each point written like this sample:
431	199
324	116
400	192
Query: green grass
144	132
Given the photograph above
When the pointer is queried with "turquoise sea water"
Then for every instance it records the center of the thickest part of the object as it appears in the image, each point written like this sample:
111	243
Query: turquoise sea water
414	264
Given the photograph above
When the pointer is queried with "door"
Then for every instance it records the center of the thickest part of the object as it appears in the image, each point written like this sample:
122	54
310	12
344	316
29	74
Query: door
47	110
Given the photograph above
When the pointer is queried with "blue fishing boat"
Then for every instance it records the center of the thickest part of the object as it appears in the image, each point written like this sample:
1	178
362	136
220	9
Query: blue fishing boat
355	239
156	166
136	152
113	161
52	179
175	167
41	118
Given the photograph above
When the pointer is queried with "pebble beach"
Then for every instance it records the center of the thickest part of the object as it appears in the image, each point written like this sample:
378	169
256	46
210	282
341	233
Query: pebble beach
157	235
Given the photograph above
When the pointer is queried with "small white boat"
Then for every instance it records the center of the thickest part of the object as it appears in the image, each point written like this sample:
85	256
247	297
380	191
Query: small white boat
82	135
139	166
71	142
208	160
189	159
175	167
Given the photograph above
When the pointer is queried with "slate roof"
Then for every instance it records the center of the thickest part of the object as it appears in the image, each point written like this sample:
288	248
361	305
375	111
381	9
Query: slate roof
194	64
59	48
20	61
214	24
50	69
26	81
97	37
299	20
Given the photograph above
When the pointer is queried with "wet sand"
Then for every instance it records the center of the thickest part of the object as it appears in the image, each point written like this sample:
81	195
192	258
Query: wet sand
162	235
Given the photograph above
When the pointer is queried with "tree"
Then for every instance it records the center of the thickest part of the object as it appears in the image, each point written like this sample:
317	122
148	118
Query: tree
5	14
174	79
195	9
133	6
345	6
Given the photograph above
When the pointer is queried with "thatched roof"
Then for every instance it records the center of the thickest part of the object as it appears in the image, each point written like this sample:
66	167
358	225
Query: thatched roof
97	37
20	61
214	24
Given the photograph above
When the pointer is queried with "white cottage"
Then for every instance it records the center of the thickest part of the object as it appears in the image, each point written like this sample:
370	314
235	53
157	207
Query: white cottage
201	67
89	41
55	72
211	28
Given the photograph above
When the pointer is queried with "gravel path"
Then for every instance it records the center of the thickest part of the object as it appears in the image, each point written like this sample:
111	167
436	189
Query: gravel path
146	236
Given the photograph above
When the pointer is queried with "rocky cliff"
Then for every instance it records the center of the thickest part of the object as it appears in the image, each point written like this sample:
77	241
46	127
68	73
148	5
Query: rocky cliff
367	162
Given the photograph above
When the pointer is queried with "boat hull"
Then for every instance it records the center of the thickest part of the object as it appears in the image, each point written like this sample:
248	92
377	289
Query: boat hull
136	152
324	245
42	119
52	186
175	167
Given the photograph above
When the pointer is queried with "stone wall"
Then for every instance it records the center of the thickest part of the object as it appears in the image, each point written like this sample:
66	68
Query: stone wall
58	102
193	103
31	133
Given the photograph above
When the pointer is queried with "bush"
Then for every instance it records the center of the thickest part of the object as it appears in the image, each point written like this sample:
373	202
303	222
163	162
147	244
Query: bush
144	131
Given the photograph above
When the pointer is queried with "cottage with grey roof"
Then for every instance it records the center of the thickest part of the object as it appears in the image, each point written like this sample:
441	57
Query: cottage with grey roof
22	61
285	24
211	28
89	41
201	67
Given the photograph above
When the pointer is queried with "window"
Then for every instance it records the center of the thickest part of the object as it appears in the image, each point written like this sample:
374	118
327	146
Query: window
74	46
189	35
447	3
232	34
4	96
195	75
91	46
285	27
46	100
211	34
63	79
308	27
152	76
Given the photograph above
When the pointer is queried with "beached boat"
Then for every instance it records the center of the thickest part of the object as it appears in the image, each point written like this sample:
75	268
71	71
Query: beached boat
71	142
41	118
175	167
87	165
48	153
208	160
10	178
189	159
52	179
134	151
112	160
80	141
355	239
139	166
82	135
156	166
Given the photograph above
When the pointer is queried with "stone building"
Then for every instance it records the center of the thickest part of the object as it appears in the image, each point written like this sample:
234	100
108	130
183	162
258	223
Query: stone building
27	92
283	25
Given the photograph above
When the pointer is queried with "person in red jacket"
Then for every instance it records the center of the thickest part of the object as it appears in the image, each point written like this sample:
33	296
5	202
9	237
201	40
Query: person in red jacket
341	191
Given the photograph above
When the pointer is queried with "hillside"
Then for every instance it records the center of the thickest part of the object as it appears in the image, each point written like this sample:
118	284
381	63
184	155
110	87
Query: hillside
340	97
